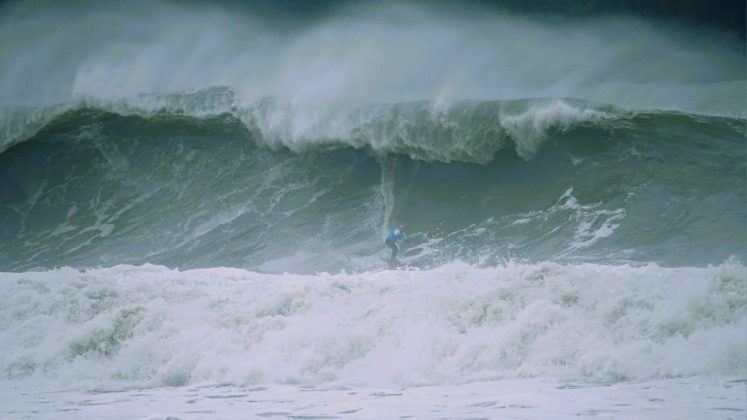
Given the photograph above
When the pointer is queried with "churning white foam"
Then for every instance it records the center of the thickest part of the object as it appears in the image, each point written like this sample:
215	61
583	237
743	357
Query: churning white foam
150	325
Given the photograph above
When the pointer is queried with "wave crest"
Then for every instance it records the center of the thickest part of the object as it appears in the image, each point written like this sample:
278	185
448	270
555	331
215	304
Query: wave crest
468	131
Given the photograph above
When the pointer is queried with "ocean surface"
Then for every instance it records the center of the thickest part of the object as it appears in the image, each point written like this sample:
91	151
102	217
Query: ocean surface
193	207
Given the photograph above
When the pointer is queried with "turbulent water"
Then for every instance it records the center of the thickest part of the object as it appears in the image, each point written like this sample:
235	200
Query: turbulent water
569	217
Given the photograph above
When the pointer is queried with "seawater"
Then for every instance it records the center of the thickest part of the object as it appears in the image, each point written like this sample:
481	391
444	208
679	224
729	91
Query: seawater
193	205
514	398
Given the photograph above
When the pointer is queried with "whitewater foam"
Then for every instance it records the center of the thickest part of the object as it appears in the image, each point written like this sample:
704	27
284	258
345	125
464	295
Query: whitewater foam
148	326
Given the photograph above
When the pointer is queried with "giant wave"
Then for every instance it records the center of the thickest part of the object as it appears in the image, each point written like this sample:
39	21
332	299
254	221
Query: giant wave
483	182
190	196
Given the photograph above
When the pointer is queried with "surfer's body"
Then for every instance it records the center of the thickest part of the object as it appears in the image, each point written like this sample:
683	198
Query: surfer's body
395	236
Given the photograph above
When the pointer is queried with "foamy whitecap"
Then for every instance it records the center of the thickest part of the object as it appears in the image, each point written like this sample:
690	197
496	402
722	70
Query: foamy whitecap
150	325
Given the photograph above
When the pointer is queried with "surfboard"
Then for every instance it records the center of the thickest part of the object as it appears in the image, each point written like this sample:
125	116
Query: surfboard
393	263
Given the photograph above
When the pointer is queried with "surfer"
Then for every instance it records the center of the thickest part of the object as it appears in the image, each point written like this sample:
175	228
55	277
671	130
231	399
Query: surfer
392	238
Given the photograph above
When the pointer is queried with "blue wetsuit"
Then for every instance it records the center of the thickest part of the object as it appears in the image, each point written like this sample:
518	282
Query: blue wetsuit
392	239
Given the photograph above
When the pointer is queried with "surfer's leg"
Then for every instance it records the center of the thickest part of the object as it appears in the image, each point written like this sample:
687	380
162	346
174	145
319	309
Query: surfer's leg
393	246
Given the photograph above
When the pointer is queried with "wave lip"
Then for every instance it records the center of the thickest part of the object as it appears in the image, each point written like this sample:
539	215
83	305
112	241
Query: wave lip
470	131
20	123
430	130
149	325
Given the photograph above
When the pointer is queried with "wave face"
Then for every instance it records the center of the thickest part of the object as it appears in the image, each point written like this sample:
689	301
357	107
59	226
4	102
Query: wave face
151	326
482	182
199	135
